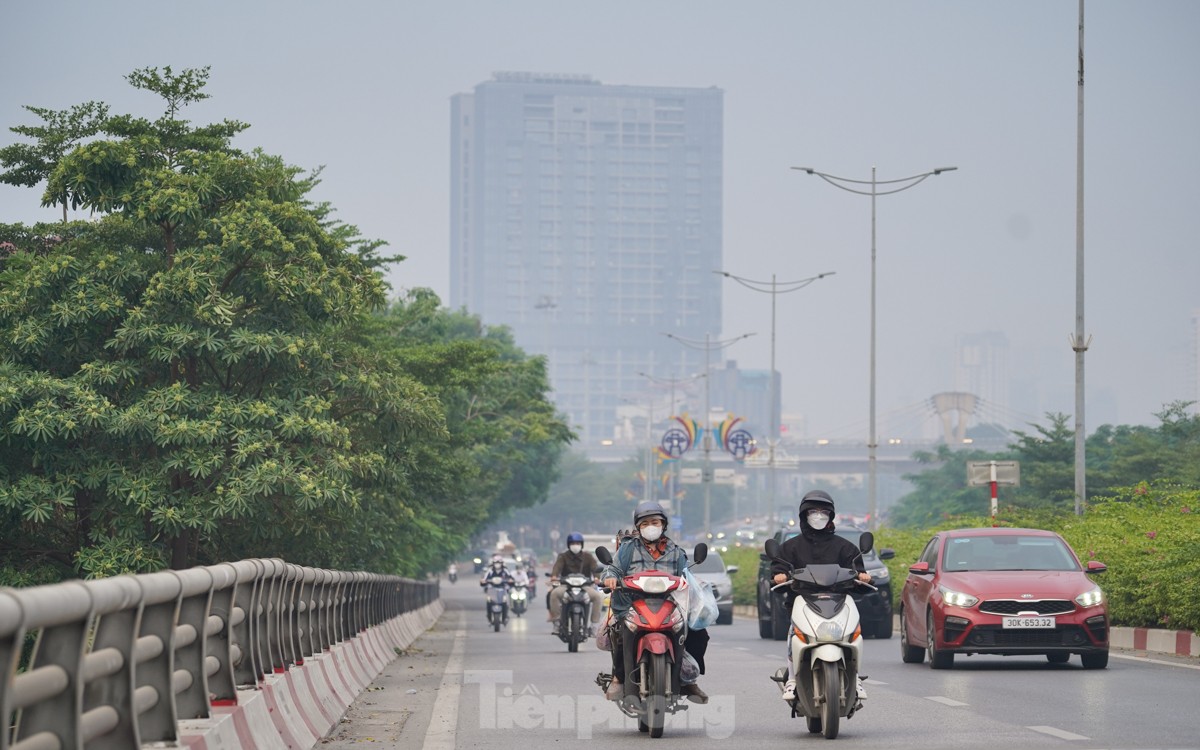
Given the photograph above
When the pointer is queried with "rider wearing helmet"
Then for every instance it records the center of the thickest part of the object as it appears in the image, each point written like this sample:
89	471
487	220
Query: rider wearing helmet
816	543
498	568
574	560
646	548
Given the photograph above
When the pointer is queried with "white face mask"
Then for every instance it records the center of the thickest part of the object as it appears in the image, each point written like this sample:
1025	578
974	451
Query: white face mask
818	520
575	548
651	533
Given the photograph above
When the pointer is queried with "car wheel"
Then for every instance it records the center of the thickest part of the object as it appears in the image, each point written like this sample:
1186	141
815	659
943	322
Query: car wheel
764	623
725	616
1095	660
937	659
1058	657
883	629
909	654
780	619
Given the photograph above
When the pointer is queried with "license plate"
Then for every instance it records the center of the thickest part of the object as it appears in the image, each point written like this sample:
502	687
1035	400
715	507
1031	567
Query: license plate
1028	623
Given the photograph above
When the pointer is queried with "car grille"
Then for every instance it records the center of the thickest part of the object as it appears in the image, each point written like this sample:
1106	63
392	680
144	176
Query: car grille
1015	606
992	636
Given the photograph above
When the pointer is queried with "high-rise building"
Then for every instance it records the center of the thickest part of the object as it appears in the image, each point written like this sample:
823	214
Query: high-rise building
981	369
587	218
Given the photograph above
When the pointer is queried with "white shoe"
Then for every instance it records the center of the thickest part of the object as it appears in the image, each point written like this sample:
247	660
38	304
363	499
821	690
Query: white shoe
789	691
862	691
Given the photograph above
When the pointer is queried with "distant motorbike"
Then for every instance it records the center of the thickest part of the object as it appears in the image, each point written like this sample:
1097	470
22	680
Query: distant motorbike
520	599
826	642
576	610
452	574
496	590
653	631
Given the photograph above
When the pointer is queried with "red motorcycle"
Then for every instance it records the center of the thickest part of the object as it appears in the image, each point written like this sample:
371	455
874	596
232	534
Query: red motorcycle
652	631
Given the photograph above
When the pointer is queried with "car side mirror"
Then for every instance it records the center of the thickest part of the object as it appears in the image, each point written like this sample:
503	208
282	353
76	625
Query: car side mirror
731	569
887	553
603	555
919	568
700	554
866	541
1095	566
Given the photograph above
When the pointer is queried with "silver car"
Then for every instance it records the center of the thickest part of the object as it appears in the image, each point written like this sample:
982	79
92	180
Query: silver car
713	571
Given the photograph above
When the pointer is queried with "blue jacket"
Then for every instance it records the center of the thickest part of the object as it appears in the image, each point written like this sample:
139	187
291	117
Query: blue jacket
633	557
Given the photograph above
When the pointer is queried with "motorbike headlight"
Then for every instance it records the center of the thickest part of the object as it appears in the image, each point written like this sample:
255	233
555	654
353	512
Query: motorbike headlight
1090	598
830	631
957	599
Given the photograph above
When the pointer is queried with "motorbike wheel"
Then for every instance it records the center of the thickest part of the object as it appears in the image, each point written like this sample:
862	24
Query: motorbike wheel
657	685
575	634
937	659
814	724
831	708
909	653
496	624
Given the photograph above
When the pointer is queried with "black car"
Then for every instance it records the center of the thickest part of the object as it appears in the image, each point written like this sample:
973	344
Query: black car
874	607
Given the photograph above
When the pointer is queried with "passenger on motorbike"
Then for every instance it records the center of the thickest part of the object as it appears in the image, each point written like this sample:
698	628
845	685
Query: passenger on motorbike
646	548
816	543
497	568
574	560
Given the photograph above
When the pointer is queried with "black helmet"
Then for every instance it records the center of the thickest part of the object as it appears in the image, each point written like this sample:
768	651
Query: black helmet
816	500
649	509
574	538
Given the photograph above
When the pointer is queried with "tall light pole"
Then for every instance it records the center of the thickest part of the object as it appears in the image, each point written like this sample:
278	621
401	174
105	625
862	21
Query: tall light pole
674	475
773	288
706	473
892	186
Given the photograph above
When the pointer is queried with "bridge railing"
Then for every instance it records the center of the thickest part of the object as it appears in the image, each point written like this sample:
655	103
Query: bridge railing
119	661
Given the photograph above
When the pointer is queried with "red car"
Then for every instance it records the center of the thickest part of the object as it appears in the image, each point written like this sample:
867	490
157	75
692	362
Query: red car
1002	591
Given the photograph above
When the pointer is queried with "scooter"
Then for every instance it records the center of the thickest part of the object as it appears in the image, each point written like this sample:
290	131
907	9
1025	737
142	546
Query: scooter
576	610
653	632
520	599
496	590
826	642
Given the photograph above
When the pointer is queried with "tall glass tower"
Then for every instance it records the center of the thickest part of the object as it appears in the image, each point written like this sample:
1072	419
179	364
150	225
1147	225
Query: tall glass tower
587	218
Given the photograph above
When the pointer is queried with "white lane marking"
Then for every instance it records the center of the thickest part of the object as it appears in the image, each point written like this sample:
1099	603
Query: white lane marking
740	648
443	726
1059	733
943	700
869	681
1131	657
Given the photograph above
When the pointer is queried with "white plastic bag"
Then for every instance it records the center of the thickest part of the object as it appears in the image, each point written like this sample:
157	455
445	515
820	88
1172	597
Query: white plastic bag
701	604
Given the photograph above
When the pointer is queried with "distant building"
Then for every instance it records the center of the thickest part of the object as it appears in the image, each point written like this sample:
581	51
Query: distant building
981	368
587	218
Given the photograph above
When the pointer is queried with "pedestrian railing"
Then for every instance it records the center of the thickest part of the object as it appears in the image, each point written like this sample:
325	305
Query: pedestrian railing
119	661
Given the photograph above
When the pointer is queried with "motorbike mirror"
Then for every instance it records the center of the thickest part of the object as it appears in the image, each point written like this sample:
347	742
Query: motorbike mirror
866	541
700	554
603	555
772	548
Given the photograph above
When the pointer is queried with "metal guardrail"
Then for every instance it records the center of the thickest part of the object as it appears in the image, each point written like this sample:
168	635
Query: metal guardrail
119	661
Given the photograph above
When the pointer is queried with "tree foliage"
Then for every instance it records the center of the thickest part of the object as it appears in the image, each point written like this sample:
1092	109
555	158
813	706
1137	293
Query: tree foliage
209	371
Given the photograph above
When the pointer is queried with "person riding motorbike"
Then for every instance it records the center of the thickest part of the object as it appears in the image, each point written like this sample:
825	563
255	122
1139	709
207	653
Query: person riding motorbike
574	560
816	543
497	568
645	548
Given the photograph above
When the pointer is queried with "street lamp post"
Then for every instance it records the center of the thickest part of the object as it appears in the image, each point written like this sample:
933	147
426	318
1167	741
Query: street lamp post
706	473
773	288
894	186
676	506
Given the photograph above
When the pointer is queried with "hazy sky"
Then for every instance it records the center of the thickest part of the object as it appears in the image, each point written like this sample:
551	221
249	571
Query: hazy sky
990	87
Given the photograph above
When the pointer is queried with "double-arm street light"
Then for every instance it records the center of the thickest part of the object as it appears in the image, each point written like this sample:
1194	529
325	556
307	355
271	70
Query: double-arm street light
891	186
706	473
773	288
674	475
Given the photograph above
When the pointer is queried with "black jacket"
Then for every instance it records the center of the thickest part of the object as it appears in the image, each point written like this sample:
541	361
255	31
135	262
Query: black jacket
810	546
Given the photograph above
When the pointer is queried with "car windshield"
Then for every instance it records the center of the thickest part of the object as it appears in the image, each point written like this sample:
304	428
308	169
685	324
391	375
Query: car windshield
712	564
1006	552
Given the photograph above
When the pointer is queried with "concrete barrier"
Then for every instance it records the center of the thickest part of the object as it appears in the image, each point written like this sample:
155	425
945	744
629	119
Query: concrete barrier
295	709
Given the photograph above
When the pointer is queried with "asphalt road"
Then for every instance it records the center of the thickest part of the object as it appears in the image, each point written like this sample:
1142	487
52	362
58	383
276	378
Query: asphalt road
463	686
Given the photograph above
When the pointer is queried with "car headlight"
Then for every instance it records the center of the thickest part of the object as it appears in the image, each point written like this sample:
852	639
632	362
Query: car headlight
957	598
1090	598
880	574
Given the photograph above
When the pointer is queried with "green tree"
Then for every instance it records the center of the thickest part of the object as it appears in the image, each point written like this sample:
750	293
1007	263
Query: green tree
181	377
30	164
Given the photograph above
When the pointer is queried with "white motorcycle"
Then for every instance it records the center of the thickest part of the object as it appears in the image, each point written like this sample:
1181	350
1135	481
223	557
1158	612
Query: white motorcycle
825	642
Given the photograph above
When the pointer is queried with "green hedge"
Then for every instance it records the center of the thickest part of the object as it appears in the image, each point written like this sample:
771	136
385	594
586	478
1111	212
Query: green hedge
1148	536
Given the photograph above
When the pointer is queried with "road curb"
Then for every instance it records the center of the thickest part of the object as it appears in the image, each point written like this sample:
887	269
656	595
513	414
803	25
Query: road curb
1150	640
